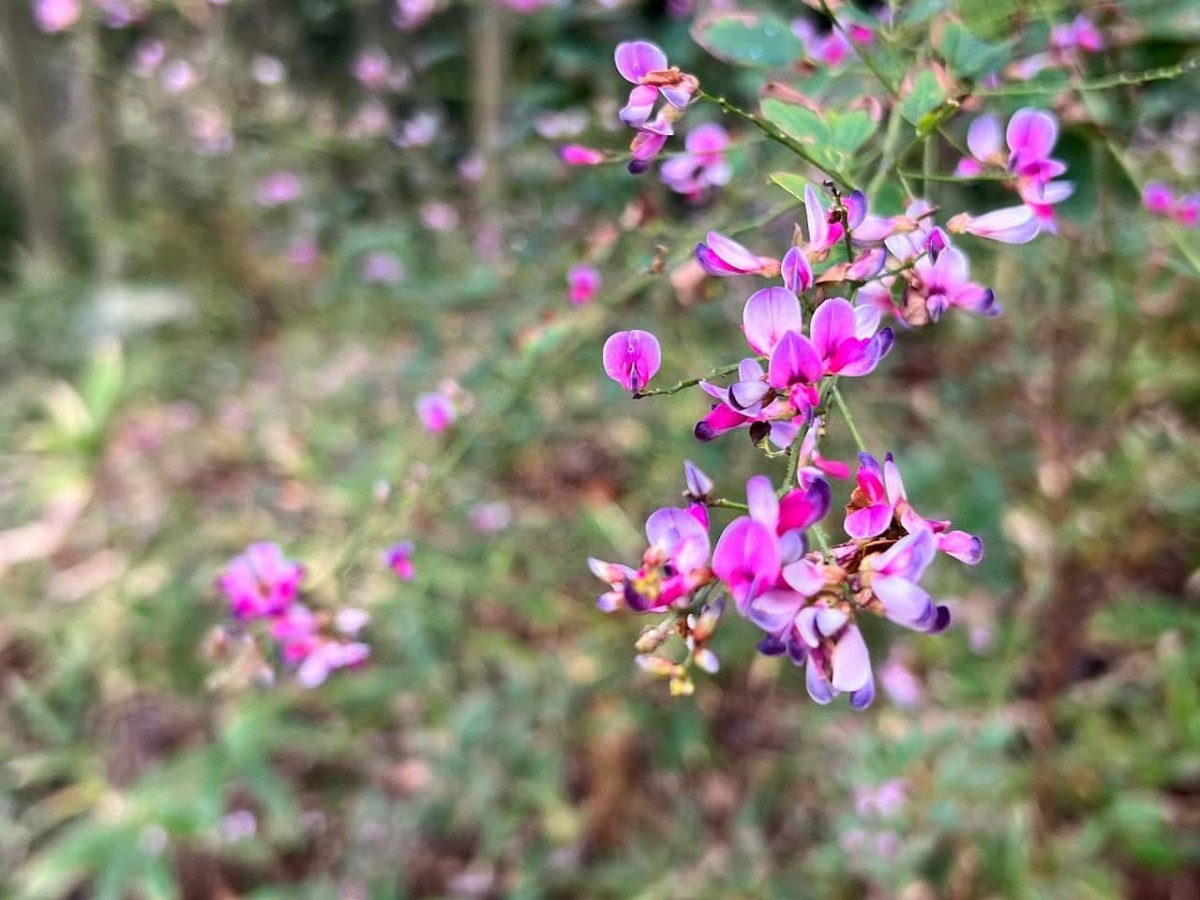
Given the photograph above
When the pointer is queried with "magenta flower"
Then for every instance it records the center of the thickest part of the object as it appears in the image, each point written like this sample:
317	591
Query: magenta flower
753	551
824	232
1080	33
880	501
1186	210
583	283
399	558
436	411
261	582
768	315
723	257
1157	198
579	155
53	16
838	337
279	188
703	166
632	358
296	631
412	14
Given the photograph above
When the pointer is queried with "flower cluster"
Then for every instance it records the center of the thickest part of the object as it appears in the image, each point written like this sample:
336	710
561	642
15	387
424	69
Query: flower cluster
808	602
262	585
644	65
1023	154
1160	200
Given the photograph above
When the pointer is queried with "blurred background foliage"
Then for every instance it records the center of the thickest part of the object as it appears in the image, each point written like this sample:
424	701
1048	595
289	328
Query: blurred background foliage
187	370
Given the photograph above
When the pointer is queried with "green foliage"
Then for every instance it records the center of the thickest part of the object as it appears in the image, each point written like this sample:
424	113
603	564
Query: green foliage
748	39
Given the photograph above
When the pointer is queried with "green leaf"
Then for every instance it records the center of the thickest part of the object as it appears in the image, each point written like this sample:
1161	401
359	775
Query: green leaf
967	55
798	122
793	184
747	39
851	130
924	97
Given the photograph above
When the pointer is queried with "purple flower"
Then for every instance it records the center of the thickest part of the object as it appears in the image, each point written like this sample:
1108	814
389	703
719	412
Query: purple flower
632	358
382	267
900	684
399	558
703	166
674	565
261	582
412	14
436	411
946	282
489	518
279	188
894	577
723	257
1186	210
645	65
824	232
838	659
1080	33
583	283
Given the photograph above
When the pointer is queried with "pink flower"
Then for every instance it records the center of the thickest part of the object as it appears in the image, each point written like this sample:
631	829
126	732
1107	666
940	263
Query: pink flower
261	582
632	358
722	257
372	68
279	188
328	656
436	411
53	16
838	659
1186	210
674	565
398	558
583	283
489	518
1157	198
579	155
893	577
1012	225
412	14
702	166
645	65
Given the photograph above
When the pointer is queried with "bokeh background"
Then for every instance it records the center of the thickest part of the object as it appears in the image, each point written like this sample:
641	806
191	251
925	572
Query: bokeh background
238	239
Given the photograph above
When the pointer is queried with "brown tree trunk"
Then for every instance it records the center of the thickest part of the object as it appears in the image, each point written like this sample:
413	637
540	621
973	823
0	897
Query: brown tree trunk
489	67
25	51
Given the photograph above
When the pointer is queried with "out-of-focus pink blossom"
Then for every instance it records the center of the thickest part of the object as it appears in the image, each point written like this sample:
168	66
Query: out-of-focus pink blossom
702	166
279	188
436	411
148	55
177	76
399	558
419	131
579	155
268	71
583	283
53	16
372	68
261	581
438	215
489	518
567	123
412	14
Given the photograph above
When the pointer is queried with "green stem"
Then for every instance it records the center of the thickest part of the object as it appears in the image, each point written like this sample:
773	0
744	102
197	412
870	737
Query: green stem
958	179
1121	79
775	133
691	382
888	160
818	531
722	503
845	411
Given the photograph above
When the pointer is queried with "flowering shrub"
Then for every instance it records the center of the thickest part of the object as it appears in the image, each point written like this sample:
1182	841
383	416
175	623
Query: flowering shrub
849	266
